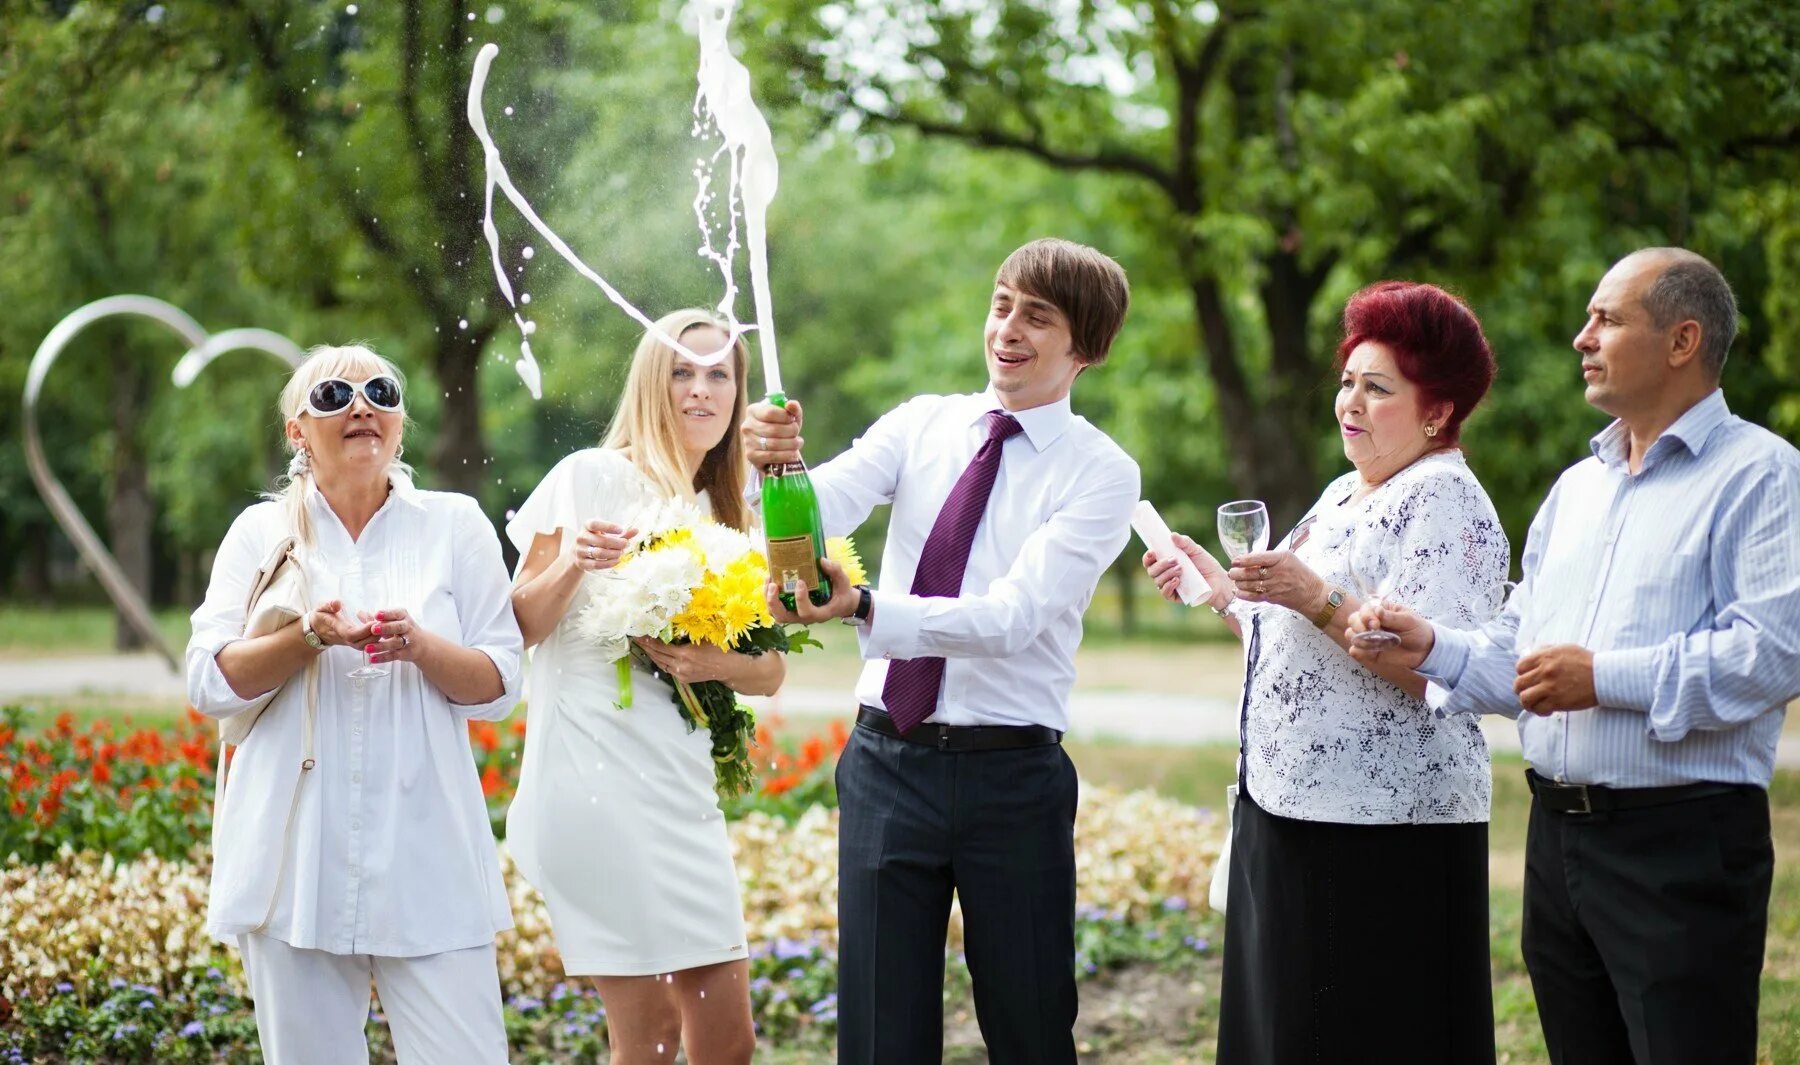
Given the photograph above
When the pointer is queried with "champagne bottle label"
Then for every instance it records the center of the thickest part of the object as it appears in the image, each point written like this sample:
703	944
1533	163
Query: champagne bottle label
793	559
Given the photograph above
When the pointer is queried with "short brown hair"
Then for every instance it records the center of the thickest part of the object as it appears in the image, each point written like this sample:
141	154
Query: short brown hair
1085	284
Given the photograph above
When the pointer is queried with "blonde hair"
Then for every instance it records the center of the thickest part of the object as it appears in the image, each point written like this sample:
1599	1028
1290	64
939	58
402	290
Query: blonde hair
353	362
646	422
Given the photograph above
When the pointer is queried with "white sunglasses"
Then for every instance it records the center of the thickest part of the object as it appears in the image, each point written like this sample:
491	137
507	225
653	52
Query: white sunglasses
334	395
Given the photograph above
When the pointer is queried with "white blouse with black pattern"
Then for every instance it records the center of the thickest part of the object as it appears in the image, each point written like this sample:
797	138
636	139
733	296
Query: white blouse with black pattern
1325	739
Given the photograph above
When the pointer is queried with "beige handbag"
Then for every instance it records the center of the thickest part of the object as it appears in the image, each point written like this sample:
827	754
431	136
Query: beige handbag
278	597
1218	892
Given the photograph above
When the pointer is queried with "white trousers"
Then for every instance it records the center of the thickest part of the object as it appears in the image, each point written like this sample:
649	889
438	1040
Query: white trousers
312	1006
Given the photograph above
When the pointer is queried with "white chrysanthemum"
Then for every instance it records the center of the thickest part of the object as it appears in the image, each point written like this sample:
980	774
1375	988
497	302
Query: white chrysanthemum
638	598
660	518
720	545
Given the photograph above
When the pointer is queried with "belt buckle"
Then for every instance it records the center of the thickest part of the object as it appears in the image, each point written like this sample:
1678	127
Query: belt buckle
943	739
1581	791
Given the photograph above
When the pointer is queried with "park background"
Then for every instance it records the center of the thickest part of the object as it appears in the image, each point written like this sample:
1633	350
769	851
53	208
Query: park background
306	167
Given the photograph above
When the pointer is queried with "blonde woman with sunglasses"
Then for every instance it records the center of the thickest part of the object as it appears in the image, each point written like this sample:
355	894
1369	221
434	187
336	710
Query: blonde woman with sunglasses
616	821
379	865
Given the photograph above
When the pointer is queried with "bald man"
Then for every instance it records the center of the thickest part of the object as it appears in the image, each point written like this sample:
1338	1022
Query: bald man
1648	654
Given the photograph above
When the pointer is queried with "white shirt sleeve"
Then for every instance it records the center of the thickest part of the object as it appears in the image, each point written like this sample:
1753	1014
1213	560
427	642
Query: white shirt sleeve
866	476
552	505
1059	564
1449	552
219	620
1472	671
484	607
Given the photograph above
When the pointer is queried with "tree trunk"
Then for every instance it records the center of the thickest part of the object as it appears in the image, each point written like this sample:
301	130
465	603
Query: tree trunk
129	509
34	579
1127	579
459	454
1268	455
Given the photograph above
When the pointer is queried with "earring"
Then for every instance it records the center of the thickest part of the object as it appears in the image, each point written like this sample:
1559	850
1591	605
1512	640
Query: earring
1431	430
301	464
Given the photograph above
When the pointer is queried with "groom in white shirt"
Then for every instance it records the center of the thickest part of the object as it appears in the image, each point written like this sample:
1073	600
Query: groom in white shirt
1007	508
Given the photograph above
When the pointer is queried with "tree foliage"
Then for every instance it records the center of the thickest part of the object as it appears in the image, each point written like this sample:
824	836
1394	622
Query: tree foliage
291	164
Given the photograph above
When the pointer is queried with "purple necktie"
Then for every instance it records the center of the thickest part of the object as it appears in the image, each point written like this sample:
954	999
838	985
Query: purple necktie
911	689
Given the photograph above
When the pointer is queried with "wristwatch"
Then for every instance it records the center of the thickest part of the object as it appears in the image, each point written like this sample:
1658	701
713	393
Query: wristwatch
865	604
1333	600
313	640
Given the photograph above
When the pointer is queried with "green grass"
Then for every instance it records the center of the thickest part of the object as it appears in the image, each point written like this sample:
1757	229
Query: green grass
36	630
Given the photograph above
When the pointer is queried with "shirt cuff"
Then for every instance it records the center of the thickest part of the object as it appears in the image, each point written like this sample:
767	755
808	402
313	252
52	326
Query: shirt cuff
1448	658
893	629
1626	679
207	689
506	661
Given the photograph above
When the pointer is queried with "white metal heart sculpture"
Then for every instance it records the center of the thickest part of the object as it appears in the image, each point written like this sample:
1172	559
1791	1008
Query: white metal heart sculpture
203	348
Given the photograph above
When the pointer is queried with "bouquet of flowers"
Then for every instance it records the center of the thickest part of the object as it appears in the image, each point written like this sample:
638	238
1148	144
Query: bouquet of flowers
688	579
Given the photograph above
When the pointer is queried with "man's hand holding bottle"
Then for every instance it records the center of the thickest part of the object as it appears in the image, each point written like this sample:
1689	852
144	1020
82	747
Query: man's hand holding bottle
772	434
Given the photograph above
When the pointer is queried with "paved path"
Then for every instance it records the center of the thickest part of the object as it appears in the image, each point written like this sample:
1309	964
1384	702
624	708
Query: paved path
1139	717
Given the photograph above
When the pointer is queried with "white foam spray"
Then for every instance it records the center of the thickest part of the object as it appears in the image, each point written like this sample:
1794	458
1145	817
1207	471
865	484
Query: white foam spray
724	103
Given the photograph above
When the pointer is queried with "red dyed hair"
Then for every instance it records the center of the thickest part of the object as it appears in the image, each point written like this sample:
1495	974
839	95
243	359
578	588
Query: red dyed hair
1436	340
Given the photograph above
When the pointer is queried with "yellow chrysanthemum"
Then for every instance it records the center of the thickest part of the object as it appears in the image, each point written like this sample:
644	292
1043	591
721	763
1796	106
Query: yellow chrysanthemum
842	550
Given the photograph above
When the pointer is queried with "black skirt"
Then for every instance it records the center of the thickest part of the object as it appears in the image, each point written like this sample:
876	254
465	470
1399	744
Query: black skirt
1351	943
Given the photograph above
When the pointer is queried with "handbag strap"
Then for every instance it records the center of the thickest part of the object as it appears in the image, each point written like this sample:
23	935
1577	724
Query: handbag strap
306	764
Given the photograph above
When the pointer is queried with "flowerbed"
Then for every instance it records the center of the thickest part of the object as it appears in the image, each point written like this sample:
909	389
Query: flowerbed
104	899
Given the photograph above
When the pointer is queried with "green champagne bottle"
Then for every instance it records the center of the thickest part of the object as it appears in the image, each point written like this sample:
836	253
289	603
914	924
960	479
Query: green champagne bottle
790	511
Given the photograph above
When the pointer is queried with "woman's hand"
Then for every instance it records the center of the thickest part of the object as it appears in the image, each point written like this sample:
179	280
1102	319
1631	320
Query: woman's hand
690	663
599	545
1166	572
332	627
1280	578
394	636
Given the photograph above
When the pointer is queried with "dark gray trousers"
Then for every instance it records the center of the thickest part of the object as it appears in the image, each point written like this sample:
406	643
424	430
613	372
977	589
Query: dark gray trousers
996	828
1644	930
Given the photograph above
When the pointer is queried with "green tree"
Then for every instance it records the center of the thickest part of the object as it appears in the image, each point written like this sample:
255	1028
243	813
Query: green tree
1285	153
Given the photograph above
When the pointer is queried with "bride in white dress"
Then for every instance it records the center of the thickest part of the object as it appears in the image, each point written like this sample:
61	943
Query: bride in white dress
616	821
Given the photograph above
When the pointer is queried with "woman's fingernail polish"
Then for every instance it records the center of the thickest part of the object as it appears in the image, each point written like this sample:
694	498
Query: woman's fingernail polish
369	650
376	629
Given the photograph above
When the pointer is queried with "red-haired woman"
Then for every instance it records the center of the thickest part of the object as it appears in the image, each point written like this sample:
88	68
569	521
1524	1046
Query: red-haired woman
1358	899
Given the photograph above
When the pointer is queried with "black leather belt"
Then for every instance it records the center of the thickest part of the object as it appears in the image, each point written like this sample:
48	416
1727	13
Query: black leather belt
961	737
1597	798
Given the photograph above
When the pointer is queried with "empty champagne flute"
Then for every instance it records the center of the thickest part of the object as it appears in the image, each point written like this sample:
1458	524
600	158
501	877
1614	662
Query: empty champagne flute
1370	592
1243	527
376	589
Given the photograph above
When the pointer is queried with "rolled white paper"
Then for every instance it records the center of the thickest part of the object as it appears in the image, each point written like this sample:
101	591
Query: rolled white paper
1155	533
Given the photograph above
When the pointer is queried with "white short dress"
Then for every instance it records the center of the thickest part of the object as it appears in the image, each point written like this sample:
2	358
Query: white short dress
616	822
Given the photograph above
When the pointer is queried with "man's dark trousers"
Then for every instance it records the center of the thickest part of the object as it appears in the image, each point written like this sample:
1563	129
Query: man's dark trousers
1644	929
997	828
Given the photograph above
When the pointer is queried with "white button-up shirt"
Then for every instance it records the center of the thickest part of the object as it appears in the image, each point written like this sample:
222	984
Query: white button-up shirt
1684	580
1059	512
390	852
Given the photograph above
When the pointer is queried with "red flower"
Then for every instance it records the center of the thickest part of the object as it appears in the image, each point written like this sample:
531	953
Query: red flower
492	783
777	785
6	735
101	774
518	726
812	752
839	735
485	735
